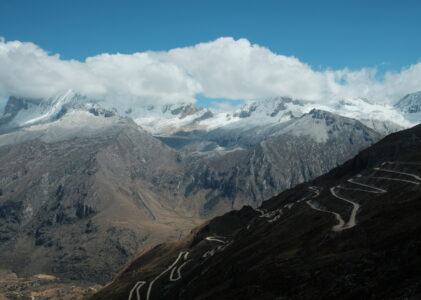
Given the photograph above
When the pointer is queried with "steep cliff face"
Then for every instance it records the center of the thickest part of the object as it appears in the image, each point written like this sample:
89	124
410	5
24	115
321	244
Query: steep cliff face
353	233
304	149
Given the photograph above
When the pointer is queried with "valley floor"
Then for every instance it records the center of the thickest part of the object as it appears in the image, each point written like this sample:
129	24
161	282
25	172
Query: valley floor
43	286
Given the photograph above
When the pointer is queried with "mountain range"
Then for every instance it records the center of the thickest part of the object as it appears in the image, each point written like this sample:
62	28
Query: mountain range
85	187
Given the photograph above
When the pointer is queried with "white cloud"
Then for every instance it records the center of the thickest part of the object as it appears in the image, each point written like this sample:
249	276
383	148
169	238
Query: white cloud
28	71
224	68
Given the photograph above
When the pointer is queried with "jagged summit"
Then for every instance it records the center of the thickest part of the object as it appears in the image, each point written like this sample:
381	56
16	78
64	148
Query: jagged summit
258	113
322	125
410	106
168	118
271	107
411	103
364	110
321	114
23	112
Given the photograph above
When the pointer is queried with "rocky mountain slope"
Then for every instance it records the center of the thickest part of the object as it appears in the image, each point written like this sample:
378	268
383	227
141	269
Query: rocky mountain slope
296	152
353	233
79	196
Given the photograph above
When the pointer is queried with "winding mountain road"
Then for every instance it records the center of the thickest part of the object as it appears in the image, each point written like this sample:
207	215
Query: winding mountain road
175	272
394	179
217	249
352	218
397	172
172	278
148	293
215	239
411	163
338	217
276	214
367	189
136	288
375	190
355	206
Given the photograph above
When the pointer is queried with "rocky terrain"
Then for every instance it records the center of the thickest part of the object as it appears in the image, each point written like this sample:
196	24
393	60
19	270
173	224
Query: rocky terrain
43	286
353	233
292	153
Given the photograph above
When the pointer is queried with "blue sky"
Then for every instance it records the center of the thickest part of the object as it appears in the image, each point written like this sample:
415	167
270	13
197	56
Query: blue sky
325	34
322	33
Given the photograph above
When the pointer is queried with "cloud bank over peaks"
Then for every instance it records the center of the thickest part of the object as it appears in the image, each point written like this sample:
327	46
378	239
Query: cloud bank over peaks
224	68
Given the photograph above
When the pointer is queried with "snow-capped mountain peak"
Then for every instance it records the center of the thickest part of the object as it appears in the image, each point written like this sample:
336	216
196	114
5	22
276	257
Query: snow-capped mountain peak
271	107
22	112
260	112
411	103
320	125
166	119
410	106
374	115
